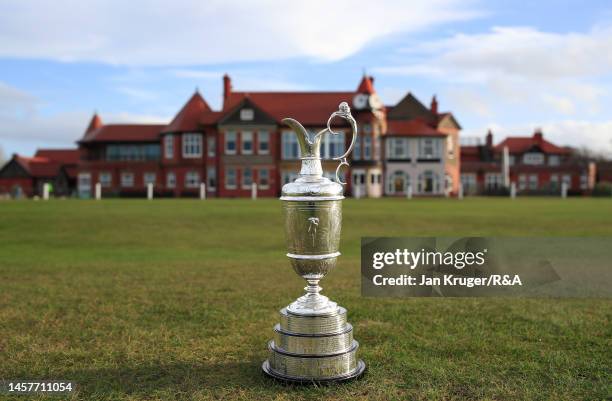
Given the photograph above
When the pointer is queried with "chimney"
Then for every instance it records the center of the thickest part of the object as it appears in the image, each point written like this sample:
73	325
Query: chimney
227	86
489	139
537	136
434	105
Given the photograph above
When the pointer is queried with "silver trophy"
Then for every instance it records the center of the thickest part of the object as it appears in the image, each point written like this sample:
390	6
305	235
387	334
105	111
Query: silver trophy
314	342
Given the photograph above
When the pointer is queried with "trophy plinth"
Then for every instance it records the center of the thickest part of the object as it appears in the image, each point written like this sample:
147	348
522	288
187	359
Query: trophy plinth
314	342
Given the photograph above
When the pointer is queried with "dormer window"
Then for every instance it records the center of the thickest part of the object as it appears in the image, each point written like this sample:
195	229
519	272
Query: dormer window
554	160
533	158
247	114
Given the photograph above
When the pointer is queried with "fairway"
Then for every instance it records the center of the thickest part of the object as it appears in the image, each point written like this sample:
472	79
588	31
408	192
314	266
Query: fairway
176	300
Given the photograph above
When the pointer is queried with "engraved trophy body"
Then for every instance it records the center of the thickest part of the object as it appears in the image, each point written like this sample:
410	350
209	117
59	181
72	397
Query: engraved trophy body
314	342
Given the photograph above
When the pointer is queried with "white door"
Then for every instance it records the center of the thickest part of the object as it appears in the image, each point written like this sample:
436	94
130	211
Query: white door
359	183
84	185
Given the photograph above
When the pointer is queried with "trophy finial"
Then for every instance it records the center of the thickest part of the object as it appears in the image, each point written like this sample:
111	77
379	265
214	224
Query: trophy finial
344	108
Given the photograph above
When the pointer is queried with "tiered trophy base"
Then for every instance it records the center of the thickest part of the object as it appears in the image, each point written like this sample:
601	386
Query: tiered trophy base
313	348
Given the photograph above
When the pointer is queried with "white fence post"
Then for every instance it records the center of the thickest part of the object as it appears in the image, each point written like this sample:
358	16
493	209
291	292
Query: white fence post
513	190
460	194
150	191
409	191
564	190
98	191
46	189
253	191
202	191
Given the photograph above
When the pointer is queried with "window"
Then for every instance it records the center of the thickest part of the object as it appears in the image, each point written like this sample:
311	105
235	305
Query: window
133	152
290	148
127	180
247	114
398	148
264	178
533	181
554	181
263	142
246	143
493	181
367	148
357	149
85	180
468	181
429	148
149	178
333	146
377	147
511	160
553	160
230	178
522	181
533	158
247	177
106	179
212	146
192	145
429	182
584	181
169	146
288	176
367	128
567	180
211	178
230	143
170	180
192	179
398	182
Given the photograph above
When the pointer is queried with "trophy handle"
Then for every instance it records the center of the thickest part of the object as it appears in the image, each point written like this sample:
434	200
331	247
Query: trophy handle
344	111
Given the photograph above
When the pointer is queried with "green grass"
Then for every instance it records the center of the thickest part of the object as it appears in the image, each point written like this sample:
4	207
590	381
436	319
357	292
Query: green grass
176	299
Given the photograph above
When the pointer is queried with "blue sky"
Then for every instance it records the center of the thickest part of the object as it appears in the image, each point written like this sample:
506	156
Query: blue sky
508	66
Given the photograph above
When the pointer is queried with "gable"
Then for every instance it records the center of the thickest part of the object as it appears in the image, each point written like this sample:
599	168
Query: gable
409	108
449	121
247	108
12	169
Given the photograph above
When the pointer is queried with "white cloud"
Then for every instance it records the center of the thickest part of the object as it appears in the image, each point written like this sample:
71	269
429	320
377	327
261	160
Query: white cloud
561	72
192	32
22	121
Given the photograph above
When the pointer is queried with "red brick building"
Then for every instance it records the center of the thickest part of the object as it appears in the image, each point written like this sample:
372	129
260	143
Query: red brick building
25	176
534	164
245	143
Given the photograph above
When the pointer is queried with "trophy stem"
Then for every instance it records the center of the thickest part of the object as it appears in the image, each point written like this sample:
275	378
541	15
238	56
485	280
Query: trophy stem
313	303
313	288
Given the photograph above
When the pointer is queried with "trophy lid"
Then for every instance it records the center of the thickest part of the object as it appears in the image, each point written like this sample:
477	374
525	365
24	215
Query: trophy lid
311	185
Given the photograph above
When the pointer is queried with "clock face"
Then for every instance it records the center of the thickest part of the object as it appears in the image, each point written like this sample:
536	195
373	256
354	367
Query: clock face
374	102
360	101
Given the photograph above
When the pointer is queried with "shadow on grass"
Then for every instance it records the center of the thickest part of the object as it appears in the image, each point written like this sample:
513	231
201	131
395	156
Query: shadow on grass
173	378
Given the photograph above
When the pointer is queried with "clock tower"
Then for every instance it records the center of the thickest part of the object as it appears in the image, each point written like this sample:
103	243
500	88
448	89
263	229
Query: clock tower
366	170
365	98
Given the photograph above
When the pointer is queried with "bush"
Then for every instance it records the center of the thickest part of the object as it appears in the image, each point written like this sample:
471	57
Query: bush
602	189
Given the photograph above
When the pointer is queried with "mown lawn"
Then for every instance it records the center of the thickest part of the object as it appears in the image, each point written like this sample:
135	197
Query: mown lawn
176	299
